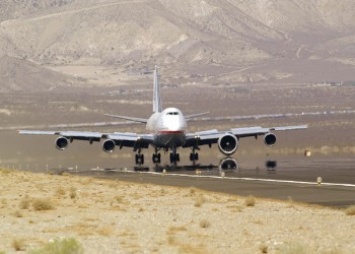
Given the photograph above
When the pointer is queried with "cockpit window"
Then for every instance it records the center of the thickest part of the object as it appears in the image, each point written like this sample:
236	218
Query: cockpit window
173	113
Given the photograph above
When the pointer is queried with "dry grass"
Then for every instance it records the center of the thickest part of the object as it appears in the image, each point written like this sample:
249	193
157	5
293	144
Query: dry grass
250	201
205	223
263	248
60	191
17	214
25	202
42	204
293	248
192	190
62	246
180	227
350	210
177	229
73	193
106	231
119	199
18	244
200	200
83	228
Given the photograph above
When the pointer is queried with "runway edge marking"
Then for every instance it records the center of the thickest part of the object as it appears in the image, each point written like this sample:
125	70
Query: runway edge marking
253	179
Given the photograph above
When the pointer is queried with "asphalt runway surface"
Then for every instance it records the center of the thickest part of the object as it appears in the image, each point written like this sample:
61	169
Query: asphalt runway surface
315	181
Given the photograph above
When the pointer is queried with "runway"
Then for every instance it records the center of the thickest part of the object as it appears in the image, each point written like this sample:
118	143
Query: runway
291	181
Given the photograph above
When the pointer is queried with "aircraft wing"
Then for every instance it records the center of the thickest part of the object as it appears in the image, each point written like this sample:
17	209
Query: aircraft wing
211	136
121	139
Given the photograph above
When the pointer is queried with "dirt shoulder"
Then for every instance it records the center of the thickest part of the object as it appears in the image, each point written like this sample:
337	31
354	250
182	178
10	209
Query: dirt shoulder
107	216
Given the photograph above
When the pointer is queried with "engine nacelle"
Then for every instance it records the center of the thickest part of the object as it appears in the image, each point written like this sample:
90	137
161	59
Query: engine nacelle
270	139
228	144
108	146
228	164
61	143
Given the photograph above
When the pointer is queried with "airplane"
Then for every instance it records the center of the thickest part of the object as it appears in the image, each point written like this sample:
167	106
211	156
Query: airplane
168	132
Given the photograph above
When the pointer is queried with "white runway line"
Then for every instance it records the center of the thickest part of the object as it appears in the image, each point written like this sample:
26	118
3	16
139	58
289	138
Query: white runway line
252	179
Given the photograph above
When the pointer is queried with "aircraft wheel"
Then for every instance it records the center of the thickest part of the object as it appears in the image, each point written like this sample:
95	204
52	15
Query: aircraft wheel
139	159
193	156
156	158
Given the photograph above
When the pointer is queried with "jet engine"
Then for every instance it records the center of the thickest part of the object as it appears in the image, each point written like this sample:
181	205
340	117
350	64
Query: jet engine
108	146
270	139
228	164
61	143
228	144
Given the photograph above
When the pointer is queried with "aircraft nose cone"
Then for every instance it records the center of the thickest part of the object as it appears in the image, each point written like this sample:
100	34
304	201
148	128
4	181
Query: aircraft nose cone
176	124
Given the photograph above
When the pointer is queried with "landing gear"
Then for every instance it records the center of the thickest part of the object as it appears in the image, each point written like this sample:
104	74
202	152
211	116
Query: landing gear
194	155
139	158
174	158
156	158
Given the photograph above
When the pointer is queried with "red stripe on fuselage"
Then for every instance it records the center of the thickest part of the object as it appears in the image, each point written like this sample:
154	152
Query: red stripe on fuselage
171	132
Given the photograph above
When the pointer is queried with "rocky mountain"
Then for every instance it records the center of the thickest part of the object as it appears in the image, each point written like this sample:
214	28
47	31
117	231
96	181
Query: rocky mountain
216	41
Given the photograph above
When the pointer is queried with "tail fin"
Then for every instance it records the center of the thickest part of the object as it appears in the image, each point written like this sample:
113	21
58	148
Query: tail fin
156	93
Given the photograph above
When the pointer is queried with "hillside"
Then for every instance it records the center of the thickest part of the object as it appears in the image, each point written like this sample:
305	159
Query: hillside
221	41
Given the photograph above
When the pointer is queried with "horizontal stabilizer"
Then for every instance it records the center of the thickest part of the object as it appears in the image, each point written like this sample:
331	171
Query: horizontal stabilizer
196	115
128	118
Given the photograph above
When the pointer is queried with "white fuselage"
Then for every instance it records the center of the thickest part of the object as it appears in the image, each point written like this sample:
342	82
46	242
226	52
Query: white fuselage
169	128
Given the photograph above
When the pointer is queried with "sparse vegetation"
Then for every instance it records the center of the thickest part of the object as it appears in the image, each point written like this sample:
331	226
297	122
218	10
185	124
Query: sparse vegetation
263	248
3	201
73	193
200	200
61	246
119	199
192	190
350	210
293	248
18	244
25	202
5	171
205	223
41	204
250	201
60	191
179	223
17	214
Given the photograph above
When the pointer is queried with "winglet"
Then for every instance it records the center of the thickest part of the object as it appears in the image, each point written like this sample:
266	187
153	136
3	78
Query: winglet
156	93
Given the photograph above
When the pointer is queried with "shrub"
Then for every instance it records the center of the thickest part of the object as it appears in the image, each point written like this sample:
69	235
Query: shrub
25	202
42	204
60	191
350	210
250	201
61	246
263	248
205	224
72	193
292	248
17	214
18	244
200	200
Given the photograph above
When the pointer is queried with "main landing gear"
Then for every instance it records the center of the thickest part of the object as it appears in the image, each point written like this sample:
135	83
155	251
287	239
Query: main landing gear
139	158
174	157
156	158
193	155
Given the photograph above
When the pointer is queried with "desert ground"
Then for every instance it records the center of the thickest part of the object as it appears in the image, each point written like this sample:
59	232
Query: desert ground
40	211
